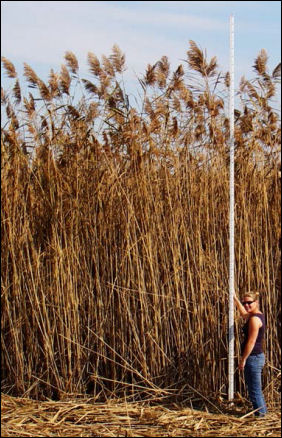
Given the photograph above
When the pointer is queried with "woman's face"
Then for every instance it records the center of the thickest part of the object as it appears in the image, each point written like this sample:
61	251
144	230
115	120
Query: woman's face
250	305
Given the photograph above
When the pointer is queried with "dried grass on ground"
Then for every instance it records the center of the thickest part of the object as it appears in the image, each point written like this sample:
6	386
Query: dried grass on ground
83	418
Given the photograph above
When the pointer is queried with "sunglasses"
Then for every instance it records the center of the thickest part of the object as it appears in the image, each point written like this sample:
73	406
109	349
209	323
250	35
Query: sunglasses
247	302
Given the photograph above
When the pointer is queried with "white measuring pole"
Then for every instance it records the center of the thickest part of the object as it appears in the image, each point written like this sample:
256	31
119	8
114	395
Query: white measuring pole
231	221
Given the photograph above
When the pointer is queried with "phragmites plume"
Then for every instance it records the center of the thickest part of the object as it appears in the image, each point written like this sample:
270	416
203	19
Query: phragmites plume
195	57
118	59
163	65
54	82
89	86
12	116
17	92
73	112
242	85
94	64
29	104
174	128
227	79
9	67
212	66
186	95
149	109
177	79
44	90
150	75
93	112
71	62
179	72
30	75
162	71
65	79
108	67
9	111
197	61
252	92
277	71
261	62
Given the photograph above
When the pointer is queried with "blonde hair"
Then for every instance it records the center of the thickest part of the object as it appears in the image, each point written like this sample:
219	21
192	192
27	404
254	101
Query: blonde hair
252	294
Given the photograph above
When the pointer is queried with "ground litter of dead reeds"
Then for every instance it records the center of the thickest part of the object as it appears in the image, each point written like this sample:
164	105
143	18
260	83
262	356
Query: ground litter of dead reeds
23	417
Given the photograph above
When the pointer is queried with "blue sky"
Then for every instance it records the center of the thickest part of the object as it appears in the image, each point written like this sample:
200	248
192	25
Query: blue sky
40	32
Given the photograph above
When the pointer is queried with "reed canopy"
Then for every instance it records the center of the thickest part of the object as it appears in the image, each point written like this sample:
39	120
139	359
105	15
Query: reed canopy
115	227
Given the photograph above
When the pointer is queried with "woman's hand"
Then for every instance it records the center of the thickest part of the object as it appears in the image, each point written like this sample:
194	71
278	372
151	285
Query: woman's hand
242	364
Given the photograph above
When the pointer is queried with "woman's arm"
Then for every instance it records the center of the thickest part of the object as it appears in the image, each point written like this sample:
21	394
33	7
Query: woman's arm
254	326
240	307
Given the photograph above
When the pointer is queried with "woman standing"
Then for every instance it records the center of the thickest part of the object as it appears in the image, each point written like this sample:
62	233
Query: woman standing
252	355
